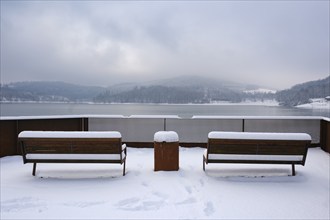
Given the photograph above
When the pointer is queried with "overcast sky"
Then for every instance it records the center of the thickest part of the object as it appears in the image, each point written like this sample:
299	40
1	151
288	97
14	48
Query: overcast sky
272	43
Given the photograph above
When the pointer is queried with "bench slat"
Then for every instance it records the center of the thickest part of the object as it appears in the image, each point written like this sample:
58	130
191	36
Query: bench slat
232	148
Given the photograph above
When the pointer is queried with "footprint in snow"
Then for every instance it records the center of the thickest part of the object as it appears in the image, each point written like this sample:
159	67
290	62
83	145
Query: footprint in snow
137	204
188	189
187	201
23	203
84	204
209	209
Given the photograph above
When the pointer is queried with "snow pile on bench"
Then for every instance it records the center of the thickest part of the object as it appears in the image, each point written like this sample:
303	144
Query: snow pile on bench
69	134
75	156
166	136
253	157
258	136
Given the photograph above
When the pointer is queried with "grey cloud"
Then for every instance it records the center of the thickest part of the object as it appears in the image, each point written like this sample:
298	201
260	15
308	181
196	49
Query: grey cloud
271	43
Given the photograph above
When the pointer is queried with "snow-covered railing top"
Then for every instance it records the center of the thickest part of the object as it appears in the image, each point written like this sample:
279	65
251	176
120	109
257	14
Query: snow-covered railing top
159	116
154	116
166	136
259	117
58	117
259	136
69	134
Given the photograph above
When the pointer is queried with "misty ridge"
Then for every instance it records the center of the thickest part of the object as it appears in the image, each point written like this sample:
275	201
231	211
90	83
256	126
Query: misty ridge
178	90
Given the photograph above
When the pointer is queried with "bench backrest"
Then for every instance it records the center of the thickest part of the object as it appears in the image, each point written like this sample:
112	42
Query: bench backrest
261	147
251	145
66	142
71	145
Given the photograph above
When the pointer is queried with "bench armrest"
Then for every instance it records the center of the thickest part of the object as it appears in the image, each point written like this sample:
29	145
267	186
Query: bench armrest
124	148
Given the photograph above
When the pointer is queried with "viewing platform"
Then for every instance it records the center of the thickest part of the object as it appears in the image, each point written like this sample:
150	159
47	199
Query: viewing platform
100	191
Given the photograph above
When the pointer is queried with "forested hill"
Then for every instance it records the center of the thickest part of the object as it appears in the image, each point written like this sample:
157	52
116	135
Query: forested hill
48	91
184	89
302	93
170	94
176	90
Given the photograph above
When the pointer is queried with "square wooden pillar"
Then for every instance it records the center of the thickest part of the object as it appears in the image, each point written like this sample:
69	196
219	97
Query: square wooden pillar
166	151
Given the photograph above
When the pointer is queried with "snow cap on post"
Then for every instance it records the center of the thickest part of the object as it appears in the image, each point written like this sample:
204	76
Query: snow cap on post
166	136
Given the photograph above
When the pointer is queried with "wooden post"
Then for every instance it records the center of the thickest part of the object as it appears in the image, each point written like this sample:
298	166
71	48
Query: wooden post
166	156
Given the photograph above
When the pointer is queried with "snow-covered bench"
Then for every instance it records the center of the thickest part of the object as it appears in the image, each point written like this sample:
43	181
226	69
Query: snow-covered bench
72	147
257	148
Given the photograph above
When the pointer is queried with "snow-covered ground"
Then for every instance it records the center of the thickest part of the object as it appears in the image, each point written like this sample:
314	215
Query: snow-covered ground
224	191
266	102
260	90
316	104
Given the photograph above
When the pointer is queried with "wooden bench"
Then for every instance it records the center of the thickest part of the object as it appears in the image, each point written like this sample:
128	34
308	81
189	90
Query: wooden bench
257	148
72	147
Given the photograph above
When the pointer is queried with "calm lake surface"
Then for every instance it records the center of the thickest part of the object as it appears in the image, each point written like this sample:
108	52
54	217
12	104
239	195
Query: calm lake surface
184	110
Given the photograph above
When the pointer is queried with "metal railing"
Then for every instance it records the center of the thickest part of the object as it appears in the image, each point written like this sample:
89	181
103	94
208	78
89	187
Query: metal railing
138	130
195	129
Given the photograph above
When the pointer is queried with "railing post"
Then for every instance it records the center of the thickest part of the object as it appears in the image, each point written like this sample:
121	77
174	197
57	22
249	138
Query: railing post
325	135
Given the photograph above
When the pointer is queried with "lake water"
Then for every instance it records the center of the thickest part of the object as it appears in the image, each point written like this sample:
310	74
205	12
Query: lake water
184	111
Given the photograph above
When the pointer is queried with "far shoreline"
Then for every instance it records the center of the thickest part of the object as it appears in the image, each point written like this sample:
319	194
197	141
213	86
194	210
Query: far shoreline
261	103
267	103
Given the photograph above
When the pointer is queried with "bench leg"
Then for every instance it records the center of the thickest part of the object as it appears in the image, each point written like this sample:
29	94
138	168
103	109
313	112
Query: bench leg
34	169
293	170
203	163
124	167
